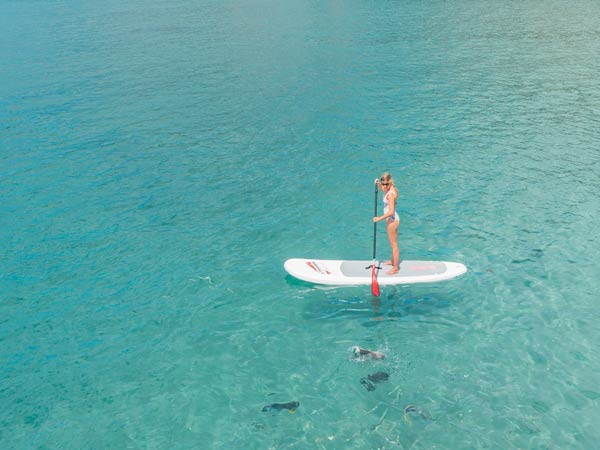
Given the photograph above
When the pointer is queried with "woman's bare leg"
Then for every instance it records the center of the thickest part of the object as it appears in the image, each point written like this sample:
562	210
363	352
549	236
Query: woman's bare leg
392	229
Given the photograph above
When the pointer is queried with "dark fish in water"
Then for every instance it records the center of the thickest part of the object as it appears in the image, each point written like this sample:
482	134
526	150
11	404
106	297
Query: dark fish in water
290	406
378	377
370	381
416	410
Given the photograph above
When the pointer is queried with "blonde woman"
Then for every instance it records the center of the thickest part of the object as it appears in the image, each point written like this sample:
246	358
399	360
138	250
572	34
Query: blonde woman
391	217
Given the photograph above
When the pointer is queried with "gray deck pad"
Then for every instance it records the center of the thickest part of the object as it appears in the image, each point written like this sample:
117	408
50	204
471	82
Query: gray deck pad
406	269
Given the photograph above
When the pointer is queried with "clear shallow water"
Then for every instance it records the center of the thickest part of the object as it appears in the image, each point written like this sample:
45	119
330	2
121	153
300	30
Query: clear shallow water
159	162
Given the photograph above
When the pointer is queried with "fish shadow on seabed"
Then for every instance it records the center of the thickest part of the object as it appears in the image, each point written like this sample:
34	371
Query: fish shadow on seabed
370	381
289	406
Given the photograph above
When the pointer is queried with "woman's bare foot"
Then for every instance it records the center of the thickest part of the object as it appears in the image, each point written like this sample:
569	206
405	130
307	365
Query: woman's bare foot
388	263
392	271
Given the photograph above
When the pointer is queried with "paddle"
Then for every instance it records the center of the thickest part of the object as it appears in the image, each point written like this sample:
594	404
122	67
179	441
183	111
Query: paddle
374	283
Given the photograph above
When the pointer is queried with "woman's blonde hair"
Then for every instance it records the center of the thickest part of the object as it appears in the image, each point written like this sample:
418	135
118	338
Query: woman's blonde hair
387	177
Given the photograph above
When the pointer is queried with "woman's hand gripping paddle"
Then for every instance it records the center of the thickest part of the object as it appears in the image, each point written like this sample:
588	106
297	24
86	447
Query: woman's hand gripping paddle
374	283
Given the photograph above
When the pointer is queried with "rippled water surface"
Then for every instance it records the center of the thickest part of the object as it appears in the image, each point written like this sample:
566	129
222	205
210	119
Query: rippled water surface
159	161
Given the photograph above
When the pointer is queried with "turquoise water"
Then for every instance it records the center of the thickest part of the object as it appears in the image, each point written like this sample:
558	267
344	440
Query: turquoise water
160	161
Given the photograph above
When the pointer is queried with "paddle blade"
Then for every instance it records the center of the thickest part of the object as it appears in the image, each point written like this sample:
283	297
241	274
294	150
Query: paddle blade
374	283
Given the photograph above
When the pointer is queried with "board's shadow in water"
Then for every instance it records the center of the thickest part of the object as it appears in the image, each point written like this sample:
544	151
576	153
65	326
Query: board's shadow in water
403	303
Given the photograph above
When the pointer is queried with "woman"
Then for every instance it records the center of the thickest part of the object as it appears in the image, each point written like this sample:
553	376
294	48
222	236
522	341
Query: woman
391	217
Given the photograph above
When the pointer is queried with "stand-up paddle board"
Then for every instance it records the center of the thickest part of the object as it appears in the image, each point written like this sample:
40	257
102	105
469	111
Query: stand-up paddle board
350	273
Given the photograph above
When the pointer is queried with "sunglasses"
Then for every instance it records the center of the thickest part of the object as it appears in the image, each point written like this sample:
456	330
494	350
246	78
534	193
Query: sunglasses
384	184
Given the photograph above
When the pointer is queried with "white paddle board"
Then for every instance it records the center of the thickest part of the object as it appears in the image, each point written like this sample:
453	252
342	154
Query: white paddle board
351	273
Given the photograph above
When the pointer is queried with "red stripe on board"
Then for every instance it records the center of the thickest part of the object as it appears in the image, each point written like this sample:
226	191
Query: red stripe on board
312	266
